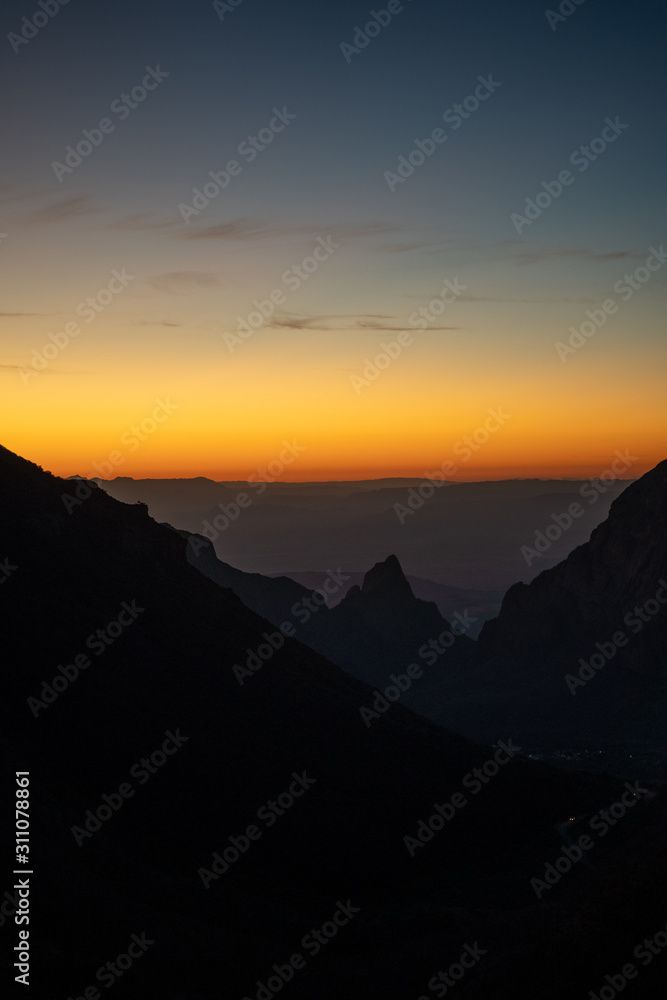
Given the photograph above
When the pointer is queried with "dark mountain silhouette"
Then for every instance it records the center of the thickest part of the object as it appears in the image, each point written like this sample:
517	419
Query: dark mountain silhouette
270	597
480	604
579	656
378	628
87	578
468	534
586	596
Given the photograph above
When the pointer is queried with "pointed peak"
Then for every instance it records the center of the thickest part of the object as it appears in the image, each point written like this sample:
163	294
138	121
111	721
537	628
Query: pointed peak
387	578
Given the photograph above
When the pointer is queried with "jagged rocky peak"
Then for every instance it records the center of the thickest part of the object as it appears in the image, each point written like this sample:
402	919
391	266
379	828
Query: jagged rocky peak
386	580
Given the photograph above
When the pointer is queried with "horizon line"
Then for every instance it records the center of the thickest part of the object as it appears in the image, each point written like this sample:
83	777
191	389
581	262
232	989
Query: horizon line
379	479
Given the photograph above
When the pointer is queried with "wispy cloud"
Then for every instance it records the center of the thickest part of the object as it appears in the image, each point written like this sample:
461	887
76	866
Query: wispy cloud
542	299
257	229
415	245
142	222
186	282
64	210
522	253
11	194
537	255
35	371
154	322
359	232
243	229
326	324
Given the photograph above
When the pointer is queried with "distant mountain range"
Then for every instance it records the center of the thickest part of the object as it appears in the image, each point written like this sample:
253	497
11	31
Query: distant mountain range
531	670
466	535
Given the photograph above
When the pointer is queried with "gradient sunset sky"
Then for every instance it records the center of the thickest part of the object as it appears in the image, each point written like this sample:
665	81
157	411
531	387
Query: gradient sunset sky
323	176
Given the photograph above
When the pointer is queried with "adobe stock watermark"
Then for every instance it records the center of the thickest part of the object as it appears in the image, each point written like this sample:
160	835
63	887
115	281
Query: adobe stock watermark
221	8
21	951
445	812
111	971
142	770
7	568
601	823
230	512
455	117
445	979
465	448
582	157
249	149
302	610
97	642
122	107
566	9
30	26
400	683
626	288
646	951
420	319
634	620
312	942
89	309
268	814
363	36
131	439
593	489
292	279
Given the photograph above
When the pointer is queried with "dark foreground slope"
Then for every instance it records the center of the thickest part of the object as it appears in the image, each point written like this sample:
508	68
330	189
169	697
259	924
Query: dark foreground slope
579	656
168	668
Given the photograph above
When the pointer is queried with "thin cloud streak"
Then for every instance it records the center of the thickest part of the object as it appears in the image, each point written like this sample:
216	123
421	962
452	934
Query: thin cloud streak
255	229
330	324
186	282
65	210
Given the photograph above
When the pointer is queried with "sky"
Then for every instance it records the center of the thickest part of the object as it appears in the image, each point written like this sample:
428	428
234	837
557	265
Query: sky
165	333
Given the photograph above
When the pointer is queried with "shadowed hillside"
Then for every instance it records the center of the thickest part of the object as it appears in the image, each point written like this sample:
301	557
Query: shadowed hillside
103	583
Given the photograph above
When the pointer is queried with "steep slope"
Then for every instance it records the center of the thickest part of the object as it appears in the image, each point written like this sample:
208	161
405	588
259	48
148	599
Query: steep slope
588	595
270	597
579	656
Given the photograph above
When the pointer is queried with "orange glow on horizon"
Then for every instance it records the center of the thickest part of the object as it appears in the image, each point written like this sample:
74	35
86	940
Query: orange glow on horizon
194	411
